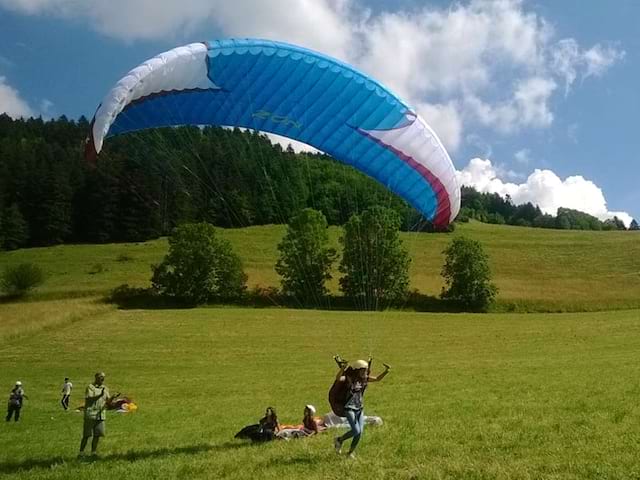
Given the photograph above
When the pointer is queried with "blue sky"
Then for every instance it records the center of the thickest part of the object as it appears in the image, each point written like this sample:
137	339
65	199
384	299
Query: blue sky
536	99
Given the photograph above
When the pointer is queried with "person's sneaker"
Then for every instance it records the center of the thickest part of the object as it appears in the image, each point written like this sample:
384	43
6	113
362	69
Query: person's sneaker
351	455
337	443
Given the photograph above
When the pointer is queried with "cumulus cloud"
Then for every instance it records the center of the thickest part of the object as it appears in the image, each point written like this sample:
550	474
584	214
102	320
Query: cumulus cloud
493	63
322	24
529	107
11	102
543	188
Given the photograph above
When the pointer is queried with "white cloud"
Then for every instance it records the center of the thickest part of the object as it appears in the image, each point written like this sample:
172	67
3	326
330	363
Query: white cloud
493	63
529	107
543	188
321	24
11	102
568	61
456	55
599	59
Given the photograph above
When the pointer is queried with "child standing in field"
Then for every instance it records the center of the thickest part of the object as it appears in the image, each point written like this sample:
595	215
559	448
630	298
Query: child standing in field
16	397
356	378
66	393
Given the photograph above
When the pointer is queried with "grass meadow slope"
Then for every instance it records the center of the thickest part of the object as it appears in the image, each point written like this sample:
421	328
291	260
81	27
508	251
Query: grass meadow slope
535	269
470	396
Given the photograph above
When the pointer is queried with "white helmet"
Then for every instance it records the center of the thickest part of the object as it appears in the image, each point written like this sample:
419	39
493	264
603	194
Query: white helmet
359	364
311	408
18	383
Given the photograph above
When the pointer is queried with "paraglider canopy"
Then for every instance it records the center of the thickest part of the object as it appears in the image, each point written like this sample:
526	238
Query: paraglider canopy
293	92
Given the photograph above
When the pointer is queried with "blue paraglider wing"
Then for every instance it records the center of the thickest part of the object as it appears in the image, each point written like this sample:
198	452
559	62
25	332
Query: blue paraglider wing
294	92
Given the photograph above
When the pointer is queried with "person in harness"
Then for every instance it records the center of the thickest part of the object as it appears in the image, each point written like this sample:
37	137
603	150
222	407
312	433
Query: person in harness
347	398
16	397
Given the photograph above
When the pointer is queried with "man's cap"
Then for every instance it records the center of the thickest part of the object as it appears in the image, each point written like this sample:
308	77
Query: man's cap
311	408
18	383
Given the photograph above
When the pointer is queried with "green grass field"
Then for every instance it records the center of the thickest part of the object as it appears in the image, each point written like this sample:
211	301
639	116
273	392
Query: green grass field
470	396
535	269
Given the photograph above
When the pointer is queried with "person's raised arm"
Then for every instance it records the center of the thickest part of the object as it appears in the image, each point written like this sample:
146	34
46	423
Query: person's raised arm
381	376
342	366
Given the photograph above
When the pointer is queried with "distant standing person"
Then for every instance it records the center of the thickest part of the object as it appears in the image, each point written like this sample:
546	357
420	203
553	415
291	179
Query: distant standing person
96	399
16	397
67	386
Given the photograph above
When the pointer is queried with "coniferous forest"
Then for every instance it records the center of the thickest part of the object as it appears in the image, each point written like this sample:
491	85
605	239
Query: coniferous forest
146	183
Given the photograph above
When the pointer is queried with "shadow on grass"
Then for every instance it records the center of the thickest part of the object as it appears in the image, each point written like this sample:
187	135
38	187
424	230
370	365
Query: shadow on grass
129	298
12	298
302	461
129	456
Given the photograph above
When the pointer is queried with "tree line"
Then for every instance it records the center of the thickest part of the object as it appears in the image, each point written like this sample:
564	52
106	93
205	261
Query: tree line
201	267
492	208
147	183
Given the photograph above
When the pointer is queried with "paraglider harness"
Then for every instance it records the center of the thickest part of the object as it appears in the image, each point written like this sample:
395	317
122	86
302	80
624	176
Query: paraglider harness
15	397
263	431
339	391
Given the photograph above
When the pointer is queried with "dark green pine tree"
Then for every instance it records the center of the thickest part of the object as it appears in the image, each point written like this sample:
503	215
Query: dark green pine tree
176	203
138	207
57	226
1	227
96	203
14	228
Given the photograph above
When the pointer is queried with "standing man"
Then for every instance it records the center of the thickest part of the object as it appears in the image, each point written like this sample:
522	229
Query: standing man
16	398
66	393
96	399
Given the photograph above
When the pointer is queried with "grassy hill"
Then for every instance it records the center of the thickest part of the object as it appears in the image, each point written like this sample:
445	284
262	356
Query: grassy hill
470	396
535	269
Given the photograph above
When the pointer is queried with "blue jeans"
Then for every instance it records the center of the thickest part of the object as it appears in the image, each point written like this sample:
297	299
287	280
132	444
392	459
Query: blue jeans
356	422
